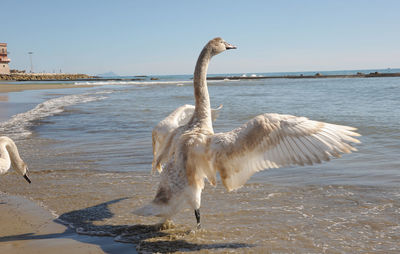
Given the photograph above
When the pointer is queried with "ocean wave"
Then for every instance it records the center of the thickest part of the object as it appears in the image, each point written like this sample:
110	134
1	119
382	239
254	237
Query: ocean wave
153	82
18	125
113	82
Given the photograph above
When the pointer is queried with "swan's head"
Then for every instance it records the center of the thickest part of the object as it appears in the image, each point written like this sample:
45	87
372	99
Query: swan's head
22	168
218	45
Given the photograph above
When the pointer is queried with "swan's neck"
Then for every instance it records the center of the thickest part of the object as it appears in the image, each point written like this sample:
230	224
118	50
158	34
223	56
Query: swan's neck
9	154
5	161
202	112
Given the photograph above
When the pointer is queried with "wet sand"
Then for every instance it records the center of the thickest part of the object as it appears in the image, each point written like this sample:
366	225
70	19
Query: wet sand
100	205
6	88
28	228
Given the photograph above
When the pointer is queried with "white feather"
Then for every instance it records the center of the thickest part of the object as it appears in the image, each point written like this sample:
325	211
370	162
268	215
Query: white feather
186	145
167	126
278	140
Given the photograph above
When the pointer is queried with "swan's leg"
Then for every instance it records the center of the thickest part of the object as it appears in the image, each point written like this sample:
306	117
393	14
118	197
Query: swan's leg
197	214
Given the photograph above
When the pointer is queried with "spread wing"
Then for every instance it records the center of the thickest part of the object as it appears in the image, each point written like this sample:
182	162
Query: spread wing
273	141
168	125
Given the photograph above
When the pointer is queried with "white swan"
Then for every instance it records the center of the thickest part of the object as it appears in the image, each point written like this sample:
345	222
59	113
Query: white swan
266	141
165	127
9	157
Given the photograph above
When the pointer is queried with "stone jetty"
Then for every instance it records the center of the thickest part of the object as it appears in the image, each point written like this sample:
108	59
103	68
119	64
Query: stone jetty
317	75
44	76
56	77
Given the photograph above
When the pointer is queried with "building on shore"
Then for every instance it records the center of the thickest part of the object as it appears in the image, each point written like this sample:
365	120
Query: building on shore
4	60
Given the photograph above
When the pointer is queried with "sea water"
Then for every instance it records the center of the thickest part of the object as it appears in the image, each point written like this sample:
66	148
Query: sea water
89	151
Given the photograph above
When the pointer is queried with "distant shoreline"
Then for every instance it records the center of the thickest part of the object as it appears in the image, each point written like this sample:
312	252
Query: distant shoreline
57	77
84	77
301	76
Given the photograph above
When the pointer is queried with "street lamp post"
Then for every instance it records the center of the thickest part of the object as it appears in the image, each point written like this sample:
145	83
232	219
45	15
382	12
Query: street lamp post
30	57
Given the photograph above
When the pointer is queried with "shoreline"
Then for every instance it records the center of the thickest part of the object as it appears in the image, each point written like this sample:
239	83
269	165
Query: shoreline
29	228
7	88
61	77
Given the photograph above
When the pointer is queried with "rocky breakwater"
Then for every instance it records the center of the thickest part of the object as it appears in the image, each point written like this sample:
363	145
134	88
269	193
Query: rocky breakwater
301	76
45	77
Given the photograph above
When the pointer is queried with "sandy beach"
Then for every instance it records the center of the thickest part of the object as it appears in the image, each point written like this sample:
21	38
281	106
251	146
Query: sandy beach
28	228
5	88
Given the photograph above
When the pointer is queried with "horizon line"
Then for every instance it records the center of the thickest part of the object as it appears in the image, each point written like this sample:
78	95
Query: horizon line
316	71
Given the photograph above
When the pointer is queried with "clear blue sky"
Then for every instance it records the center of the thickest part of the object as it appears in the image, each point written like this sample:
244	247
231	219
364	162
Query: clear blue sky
165	37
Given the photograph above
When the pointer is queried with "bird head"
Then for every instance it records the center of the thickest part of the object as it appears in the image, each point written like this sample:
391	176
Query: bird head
22	168
218	45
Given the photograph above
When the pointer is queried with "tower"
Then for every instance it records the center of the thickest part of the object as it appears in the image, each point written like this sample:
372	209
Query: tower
4	60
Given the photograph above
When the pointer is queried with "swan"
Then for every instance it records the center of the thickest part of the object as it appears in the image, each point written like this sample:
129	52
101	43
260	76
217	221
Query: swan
9	156
269	140
165	127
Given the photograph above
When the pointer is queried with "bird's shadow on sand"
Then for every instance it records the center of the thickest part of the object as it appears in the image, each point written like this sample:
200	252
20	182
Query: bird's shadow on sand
147	238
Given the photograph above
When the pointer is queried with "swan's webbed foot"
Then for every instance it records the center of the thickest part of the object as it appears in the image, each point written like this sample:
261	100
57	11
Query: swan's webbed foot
197	214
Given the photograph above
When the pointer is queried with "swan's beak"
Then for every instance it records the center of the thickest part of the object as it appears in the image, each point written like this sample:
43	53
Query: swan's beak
27	178
229	46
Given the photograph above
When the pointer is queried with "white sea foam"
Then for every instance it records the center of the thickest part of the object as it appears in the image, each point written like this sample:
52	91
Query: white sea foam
154	82
113	82
18	125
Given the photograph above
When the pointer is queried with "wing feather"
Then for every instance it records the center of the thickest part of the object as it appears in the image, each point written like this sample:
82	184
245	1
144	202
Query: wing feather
166	127
273	141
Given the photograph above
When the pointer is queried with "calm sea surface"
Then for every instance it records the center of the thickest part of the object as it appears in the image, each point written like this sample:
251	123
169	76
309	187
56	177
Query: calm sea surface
89	151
